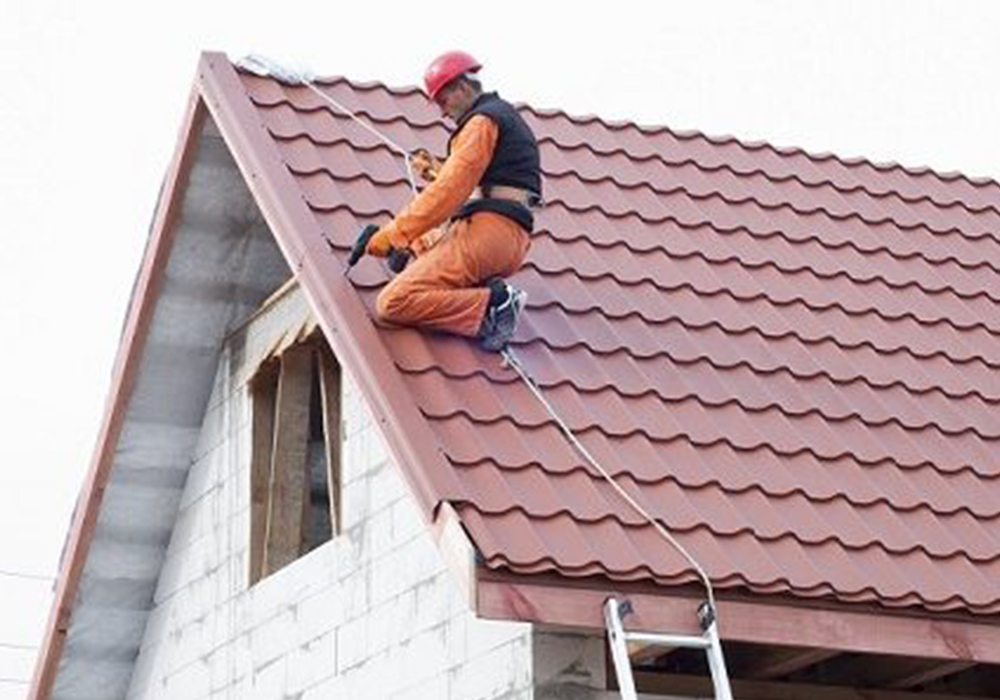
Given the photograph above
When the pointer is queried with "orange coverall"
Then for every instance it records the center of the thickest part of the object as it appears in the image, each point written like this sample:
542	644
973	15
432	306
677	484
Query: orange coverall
439	289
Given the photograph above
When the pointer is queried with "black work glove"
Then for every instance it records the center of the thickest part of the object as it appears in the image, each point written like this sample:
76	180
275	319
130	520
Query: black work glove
398	259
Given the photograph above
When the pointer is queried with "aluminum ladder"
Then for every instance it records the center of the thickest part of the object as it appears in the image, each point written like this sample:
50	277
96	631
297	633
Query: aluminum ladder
615	611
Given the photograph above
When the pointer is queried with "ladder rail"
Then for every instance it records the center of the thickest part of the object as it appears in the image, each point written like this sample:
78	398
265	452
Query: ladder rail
708	642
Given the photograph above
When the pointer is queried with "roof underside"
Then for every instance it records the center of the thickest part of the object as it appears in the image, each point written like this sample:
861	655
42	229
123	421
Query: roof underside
790	359
223	261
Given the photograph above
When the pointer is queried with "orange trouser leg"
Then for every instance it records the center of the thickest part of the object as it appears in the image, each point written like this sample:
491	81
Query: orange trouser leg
439	289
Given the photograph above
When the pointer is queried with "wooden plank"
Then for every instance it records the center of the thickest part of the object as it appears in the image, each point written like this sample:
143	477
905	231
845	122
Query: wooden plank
456	549
932	673
697	686
264	392
928	636
330	391
288	502
640	653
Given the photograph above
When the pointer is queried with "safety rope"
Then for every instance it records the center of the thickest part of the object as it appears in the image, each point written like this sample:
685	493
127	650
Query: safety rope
514	362
372	130
264	66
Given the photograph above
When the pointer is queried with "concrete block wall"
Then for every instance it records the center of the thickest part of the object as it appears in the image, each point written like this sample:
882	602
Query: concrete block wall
372	614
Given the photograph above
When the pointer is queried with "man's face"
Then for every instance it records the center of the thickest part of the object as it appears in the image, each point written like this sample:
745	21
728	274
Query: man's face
454	99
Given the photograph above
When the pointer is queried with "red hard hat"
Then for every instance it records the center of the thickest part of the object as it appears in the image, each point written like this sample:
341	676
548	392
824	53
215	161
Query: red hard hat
446	68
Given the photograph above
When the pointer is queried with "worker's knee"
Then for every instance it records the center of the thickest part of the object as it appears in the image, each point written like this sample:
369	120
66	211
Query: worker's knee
389	304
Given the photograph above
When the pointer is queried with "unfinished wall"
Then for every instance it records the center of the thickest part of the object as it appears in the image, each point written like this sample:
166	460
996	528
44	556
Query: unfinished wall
372	614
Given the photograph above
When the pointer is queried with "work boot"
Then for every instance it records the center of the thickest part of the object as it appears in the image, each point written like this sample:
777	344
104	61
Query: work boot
506	303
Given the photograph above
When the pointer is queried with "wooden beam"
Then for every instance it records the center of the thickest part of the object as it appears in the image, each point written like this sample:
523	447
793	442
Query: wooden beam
771	663
698	686
288	502
932	673
264	391
640	653
927	636
330	390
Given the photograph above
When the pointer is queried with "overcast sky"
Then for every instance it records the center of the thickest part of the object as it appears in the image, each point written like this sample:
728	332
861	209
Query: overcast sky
93	94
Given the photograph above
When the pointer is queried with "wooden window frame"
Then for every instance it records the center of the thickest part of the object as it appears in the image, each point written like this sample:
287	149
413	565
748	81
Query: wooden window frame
280	482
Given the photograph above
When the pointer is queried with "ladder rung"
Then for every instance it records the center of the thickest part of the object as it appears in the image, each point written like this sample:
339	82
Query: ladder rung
668	640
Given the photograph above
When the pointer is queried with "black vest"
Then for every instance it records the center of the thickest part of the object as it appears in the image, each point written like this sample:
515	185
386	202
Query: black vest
515	162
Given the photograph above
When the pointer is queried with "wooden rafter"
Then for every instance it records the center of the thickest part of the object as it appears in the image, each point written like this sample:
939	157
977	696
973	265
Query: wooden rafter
264	390
779	662
926	675
330	385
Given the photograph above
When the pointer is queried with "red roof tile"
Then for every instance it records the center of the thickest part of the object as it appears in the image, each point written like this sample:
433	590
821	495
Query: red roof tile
790	359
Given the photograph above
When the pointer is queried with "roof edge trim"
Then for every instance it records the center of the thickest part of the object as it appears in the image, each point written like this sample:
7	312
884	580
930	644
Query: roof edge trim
513	598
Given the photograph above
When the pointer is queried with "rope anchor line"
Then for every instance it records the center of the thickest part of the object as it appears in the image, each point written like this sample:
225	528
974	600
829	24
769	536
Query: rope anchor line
511	360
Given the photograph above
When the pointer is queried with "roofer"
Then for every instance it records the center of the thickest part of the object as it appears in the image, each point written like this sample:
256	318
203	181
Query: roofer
483	194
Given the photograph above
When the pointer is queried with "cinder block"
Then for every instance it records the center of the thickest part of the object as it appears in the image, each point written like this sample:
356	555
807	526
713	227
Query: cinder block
269	681
387	484
146	672
190	681
212	430
273	638
424	655
309	664
356	502
407	522
434	687
230	661
433	601
327	689
319	613
356	590
352	643
389	576
484	636
372	535
458	643
488	676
